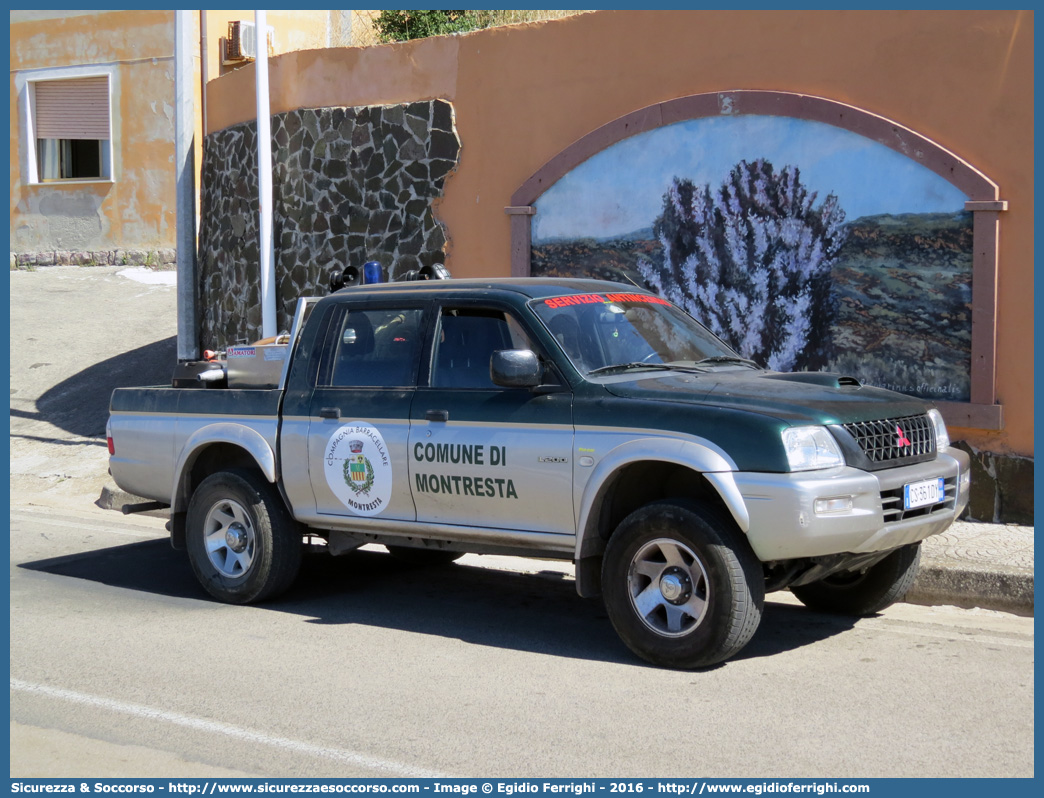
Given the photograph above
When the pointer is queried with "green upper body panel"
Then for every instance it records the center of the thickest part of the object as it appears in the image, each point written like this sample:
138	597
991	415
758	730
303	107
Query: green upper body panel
788	397
740	409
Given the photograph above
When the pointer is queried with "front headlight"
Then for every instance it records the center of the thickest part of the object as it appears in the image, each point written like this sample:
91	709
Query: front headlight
809	448
942	437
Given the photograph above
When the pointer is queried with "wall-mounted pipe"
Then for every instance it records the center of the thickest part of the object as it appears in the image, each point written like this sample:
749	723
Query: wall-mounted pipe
264	180
185	186
204	67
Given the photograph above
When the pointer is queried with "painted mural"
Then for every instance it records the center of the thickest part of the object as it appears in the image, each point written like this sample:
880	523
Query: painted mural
804	246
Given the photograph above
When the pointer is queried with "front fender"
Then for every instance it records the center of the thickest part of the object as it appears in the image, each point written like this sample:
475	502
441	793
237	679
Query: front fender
249	440
700	456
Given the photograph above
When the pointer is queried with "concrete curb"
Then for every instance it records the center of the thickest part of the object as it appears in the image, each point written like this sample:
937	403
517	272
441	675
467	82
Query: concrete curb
961	584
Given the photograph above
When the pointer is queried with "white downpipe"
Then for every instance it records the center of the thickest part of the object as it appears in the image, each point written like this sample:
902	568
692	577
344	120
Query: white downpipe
204	69
185	187
264	180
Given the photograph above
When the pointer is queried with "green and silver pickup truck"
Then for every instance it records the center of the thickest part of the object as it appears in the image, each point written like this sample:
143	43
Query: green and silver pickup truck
569	419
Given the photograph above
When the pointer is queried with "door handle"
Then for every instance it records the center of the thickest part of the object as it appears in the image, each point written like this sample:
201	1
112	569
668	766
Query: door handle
437	415
330	412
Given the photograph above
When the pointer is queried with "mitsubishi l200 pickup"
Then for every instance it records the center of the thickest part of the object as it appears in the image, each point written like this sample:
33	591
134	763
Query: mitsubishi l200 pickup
579	420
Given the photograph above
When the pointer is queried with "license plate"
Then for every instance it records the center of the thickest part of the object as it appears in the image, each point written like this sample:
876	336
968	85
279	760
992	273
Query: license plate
921	494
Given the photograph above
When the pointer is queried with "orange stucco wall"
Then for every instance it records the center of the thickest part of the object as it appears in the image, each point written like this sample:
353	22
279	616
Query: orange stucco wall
421	70
292	31
524	93
135	208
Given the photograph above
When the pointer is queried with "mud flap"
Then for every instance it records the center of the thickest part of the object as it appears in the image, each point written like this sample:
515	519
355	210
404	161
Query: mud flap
176	527
589	577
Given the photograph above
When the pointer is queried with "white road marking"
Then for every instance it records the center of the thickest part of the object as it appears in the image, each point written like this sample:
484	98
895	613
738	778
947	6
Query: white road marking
215	727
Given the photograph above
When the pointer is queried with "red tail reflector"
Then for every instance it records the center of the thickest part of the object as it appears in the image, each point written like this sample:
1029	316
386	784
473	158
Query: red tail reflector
112	447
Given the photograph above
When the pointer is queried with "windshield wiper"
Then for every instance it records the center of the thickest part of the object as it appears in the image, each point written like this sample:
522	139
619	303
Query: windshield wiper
694	367
728	359
629	366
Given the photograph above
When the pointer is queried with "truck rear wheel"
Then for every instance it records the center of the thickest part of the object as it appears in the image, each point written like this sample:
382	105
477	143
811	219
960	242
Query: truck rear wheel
681	587
242	542
867	592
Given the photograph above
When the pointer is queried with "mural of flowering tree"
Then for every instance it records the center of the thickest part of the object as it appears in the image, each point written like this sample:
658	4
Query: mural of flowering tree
752	260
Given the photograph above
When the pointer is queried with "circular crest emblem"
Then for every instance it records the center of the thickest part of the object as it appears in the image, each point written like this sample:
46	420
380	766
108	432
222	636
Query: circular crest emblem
358	468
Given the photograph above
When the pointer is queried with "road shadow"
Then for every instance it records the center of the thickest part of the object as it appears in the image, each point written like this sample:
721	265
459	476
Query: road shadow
537	613
785	627
80	404
149	567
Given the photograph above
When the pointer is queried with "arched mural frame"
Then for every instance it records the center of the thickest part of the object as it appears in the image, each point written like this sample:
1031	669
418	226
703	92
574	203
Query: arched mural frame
982	412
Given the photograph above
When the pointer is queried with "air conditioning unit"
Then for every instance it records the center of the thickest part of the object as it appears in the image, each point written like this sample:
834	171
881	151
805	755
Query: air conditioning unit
241	44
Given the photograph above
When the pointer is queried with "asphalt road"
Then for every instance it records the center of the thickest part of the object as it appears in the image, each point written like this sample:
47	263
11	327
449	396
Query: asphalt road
120	666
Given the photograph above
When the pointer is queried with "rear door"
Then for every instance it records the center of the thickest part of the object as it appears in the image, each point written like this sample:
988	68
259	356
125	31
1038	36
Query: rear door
482	455
359	412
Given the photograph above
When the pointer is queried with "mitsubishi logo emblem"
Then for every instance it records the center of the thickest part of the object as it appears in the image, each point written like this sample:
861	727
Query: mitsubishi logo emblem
903	440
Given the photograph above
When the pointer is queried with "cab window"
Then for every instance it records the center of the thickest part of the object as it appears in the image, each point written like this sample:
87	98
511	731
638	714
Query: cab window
465	342
375	348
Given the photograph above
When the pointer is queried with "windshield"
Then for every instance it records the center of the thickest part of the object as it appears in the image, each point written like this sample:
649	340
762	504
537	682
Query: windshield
608	332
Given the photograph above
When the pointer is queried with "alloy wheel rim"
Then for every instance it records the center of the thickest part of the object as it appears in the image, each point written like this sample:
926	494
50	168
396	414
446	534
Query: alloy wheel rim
229	538
668	587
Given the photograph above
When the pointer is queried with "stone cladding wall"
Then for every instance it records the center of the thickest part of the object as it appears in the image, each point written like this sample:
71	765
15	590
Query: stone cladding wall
1001	487
164	258
350	185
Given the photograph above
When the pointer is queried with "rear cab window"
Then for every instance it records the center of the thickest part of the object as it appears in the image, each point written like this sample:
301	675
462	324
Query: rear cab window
373	347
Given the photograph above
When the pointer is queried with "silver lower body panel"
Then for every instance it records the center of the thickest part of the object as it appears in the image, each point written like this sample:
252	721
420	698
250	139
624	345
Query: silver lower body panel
785	524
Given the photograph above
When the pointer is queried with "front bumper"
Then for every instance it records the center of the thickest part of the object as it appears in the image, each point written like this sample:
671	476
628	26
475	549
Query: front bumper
784	524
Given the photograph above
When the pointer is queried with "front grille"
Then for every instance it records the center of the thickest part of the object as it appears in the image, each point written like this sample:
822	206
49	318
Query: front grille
895	439
892	503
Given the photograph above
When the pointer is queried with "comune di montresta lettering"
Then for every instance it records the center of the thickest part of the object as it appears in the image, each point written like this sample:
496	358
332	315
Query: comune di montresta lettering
457	484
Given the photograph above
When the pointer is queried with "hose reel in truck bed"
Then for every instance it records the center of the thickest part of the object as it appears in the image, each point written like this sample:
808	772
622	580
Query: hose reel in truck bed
255	365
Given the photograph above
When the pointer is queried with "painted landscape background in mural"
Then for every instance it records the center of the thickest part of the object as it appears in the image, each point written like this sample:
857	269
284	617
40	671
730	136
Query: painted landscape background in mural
769	257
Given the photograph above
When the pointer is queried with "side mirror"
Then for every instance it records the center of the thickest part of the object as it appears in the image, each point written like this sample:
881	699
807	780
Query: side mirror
515	368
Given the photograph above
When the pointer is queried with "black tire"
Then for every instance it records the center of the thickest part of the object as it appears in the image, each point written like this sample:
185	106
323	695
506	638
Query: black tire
240	509
416	556
854	593
703	587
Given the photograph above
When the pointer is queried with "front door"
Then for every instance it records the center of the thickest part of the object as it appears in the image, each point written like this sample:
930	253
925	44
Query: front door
482	455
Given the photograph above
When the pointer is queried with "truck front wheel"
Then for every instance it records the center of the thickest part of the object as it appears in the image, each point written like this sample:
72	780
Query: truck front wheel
866	592
242	542
681	586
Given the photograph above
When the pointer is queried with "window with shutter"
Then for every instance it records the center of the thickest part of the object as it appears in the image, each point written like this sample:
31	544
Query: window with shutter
72	129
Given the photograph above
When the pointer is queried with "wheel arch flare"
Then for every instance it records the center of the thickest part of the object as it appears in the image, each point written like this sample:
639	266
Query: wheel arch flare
643	470
246	447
